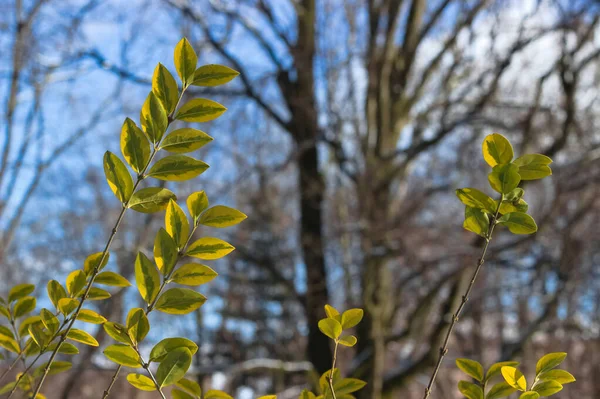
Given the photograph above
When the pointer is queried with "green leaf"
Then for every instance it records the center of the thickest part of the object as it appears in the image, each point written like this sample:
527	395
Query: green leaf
24	306
351	317
173	368
185	61
213	394
93	260
500	390
515	194
471	368
117	331
518	223
348	340
348	385
561	376
167	345
118	177
134	146
193	274
190	386
518	205
514	378
24	327
4	312
20	291
165	88
529	395
209	248
494	370
66	348
547	388
200	110
476	221
179	301
177	224
331	312
165	252
137	325
533	166
151	199
197	203
50	321
177	168
177	394
57	367
185	140
470	390
305	394
331	328
504	178
476	199
82	336
89	316
213	75
146	277
112	279
98	294
6	332
497	150
9	344
36	331
76	280
221	216
123	355
153	118
67	305
141	382
549	361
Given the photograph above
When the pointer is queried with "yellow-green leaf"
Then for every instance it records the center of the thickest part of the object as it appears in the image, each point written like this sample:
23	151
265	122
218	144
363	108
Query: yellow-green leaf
20	291
330	311
494	370
177	168
305	394
471	368
82	336
153	118
24	306
200	110
476	199
134	146
174	367
178	394
518	205
476	221
117	331
561	376
50	321
165	252
165	88
151	199
529	395
213	75
547	388
518	223
351	317
221	216
118	177
504	178
193	274
161	349
470	390
89	316
123	355
9	344
179	301
209	248
141	382
76	280
185	140
514	378
344	386
549	361
92	261
137	325
67	305
24	327
500	390
214	394
348	340
176	224
98	294
6	332
185	61
197	203
146	277
37	333
497	150
330	327
111	278
533	166
57	366
66	348
190	386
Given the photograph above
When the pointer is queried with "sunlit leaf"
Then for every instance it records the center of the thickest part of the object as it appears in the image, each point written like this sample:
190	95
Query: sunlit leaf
351	317
123	355
221	216
98	294
76	280
112	279
476	199
165	88
50	321
165	252
81	336
176	224
504	178
500	390
177	168
471	368
470	390
93	261
134	146
146	277
330	327
209	248
118	177
494	370
476	221
117	331
197	203
151	199
174	366
67	305
56	292
497	150
514	378
200	110
533	166
547	388
179	301
549	361
137	325
348	340
213	75
23	306
160	350
89	316
20	291
185	61
529	395
185	140
518	223
190	386
193	274
153	118
141	382
561	376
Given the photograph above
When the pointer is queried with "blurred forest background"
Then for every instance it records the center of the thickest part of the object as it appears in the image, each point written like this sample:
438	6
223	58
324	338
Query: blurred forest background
348	130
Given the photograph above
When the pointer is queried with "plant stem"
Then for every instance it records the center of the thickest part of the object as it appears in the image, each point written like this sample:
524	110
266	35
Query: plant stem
333	368
12	365
146	367
465	298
